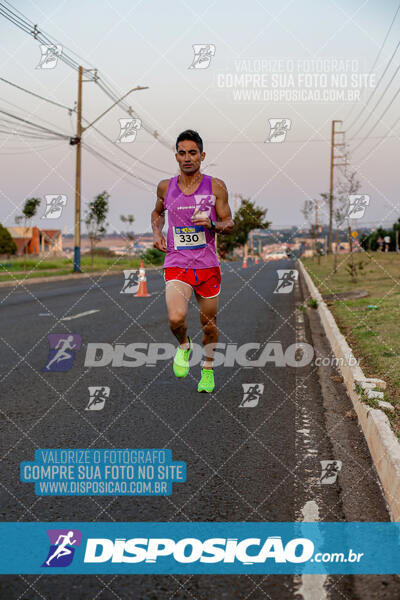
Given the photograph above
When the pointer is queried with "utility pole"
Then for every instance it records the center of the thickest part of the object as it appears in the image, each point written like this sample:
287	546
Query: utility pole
316	231
334	145
77	224
76	141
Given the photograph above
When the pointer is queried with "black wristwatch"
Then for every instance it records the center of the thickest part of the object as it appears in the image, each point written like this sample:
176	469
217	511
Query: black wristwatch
213	225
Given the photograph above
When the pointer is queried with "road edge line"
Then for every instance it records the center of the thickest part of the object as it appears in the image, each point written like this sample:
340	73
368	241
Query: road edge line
383	444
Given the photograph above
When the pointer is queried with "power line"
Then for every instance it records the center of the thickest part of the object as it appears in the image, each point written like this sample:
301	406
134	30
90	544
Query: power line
374	90
27	134
386	37
37	116
117	166
23	127
125	151
325	140
382	95
35	33
42	37
385	137
55	133
128	109
37	95
18	150
98	130
378	121
375	62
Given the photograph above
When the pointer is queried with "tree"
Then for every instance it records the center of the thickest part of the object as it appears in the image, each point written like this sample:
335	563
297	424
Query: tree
28	212
247	217
7	244
95	220
310	211
153	256
370	241
348	185
129	219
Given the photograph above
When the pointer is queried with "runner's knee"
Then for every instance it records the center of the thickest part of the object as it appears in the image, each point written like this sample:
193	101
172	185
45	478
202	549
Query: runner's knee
209	326
176	320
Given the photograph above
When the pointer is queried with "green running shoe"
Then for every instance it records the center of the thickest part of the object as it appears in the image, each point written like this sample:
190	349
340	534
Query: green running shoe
181	360
206	383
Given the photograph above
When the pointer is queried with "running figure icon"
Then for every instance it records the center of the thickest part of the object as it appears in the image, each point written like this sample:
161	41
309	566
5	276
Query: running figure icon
63	345
287	280
62	549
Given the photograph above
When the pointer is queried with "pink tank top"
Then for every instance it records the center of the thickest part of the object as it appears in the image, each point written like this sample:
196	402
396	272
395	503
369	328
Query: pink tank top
189	245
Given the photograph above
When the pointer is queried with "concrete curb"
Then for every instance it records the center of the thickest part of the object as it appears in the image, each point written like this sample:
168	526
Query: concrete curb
17	282
382	442
55	278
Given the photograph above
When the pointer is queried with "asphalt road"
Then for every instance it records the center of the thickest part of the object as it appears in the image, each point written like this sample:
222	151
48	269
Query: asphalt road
243	464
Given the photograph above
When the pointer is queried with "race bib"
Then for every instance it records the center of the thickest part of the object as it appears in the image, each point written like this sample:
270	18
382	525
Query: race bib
189	238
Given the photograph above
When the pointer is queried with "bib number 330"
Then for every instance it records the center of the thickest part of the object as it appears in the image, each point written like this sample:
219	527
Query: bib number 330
189	238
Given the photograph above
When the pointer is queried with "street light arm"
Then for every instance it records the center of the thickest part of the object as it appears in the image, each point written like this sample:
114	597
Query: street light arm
138	88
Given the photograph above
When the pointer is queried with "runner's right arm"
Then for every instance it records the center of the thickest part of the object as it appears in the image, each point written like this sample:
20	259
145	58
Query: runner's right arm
158	217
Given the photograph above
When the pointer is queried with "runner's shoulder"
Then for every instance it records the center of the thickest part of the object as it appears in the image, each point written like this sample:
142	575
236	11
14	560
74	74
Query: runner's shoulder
218	186
162	188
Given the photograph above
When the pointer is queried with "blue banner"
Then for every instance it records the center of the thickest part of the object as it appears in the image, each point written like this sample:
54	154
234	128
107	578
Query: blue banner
199	548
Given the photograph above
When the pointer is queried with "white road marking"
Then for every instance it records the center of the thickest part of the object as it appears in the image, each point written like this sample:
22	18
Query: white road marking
83	314
312	586
309	587
310	511
44	314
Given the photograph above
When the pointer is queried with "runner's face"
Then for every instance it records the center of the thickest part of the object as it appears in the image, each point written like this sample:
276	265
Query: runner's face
189	157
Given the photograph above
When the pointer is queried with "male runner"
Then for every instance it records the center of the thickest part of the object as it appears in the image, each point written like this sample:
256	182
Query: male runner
198	208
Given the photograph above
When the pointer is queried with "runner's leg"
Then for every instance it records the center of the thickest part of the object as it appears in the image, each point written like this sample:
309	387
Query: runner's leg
208	318
177	296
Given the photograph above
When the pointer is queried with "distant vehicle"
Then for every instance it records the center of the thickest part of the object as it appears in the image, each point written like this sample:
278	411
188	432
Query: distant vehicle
277	255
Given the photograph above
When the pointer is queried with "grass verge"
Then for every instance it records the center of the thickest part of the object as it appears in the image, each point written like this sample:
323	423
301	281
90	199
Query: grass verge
13	269
371	325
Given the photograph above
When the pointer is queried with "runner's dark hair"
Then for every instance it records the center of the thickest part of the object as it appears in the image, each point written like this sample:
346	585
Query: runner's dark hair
191	135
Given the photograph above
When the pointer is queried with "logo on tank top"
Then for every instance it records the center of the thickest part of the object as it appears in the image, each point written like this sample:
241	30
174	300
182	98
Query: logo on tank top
204	204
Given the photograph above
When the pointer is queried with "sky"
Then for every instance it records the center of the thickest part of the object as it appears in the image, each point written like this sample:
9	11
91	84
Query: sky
284	48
